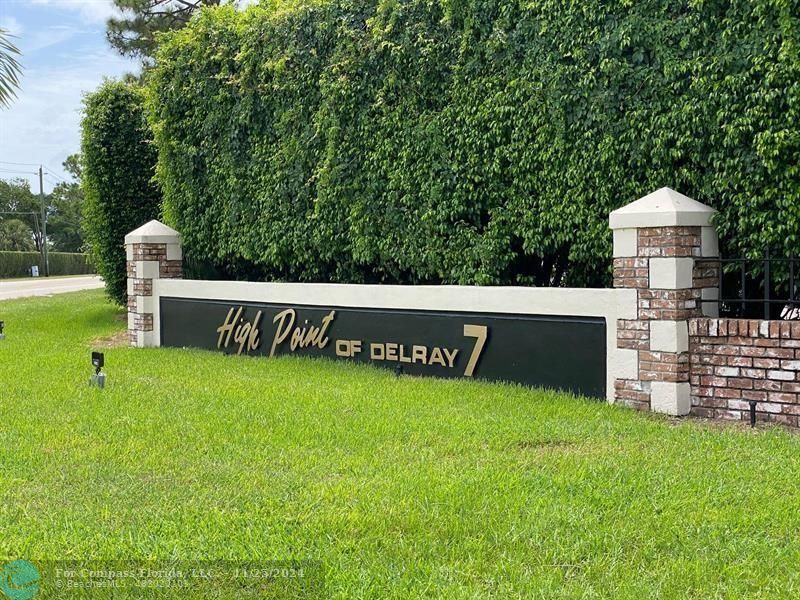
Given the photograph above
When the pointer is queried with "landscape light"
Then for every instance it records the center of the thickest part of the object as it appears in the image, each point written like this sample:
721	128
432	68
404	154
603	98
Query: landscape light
2	327
99	378
753	413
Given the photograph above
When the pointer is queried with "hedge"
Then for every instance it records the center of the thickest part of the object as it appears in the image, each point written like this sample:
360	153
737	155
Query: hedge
480	141
18	264
118	167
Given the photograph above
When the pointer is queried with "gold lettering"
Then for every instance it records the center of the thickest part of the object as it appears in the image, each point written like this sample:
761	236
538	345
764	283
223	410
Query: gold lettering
348	348
403	357
255	332
343	348
377	352
451	356
309	337
297	338
436	357
391	351
242	334
322	341
283	329
419	354
227	327
480	333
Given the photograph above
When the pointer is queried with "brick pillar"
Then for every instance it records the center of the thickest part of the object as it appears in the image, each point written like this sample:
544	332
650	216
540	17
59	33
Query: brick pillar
153	252
660	242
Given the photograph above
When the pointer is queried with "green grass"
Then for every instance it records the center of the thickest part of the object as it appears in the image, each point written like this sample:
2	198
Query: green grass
400	487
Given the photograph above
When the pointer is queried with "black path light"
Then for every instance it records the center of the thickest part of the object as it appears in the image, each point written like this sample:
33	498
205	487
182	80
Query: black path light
753	404
2	330
99	378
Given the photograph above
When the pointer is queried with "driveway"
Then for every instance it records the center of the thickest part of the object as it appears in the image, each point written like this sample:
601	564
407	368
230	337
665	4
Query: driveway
46	286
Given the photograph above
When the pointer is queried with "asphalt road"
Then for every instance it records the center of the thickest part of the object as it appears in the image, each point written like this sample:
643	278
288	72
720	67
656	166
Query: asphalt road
46	286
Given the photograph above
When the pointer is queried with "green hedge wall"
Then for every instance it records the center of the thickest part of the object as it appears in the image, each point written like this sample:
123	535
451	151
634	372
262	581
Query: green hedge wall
471	141
118	167
18	264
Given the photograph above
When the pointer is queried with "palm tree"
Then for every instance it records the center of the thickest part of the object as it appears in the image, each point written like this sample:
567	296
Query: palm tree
10	69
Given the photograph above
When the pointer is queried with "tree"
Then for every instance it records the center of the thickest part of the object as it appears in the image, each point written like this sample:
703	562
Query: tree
64	233
73	166
19	203
10	68
118	167
63	207
64	212
16	235
134	33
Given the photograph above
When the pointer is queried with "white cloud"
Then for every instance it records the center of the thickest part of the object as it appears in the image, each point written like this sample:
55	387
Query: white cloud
43	123
99	11
12	25
91	11
39	40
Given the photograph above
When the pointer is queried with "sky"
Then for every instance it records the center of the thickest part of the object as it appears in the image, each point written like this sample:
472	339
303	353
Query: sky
64	55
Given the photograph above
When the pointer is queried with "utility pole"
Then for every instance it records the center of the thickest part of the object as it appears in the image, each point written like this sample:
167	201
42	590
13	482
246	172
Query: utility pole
44	226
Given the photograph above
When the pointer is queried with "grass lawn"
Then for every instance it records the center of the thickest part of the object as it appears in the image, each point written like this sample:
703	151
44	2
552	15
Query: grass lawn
398	487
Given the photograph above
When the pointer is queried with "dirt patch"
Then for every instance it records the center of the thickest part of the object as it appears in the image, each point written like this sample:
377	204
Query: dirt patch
732	424
539	444
115	341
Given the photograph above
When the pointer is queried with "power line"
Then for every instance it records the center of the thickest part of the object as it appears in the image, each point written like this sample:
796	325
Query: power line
51	174
51	170
55	179
18	172
5	162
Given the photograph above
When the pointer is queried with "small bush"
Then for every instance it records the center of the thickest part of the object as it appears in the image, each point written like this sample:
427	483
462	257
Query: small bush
118	168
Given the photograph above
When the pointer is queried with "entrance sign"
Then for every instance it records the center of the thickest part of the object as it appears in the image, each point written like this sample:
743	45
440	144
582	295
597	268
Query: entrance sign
560	352
631	344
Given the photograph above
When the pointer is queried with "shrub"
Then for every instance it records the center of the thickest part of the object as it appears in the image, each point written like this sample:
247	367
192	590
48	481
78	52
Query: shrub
18	264
118	168
472	142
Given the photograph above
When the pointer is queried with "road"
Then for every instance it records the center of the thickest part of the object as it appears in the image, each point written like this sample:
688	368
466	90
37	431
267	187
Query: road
46	286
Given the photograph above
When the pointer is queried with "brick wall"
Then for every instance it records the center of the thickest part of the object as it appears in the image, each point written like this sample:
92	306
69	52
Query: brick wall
153	252
665	307
733	361
157	252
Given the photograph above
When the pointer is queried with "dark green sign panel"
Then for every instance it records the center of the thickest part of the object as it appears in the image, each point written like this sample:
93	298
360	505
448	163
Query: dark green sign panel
566	353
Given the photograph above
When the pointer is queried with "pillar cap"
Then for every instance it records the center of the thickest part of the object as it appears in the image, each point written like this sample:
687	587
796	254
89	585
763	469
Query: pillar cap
662	208
153	232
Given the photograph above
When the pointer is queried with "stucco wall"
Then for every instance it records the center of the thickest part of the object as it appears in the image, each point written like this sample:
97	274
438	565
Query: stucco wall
612	304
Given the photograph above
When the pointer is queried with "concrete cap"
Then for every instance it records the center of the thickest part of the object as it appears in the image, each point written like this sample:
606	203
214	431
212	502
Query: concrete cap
153	232
662	208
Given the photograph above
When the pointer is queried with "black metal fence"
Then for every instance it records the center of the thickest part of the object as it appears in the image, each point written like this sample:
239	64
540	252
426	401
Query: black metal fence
762	288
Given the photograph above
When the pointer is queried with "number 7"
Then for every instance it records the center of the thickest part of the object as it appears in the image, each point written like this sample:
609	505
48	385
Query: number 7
480	333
